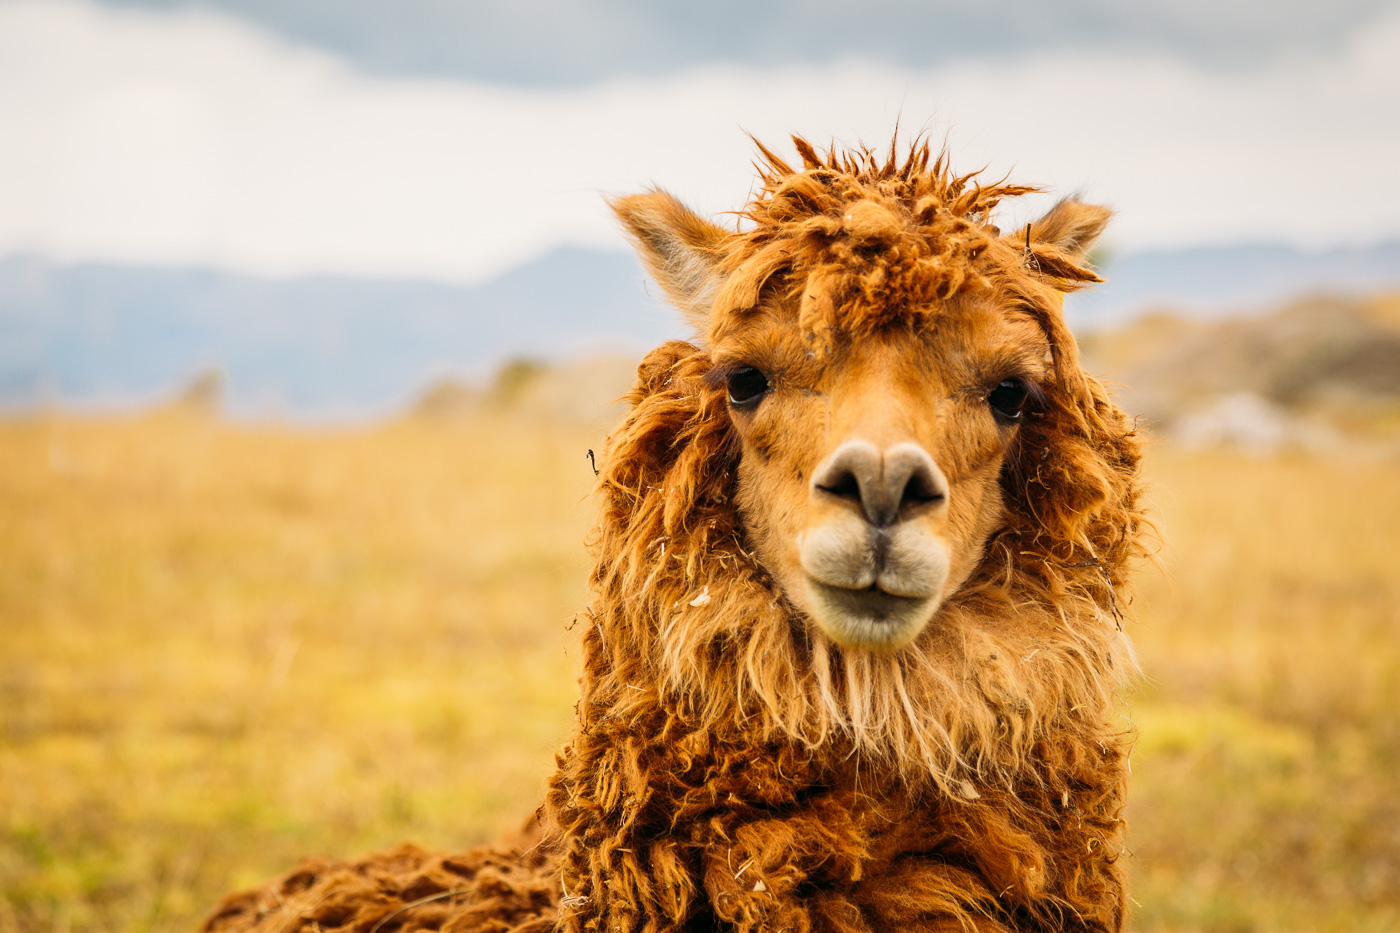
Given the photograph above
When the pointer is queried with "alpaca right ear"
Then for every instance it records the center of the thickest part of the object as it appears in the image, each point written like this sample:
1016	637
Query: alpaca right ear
680	249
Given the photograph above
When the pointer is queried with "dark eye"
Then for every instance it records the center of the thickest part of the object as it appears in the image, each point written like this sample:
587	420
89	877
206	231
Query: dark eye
746	386
1008	399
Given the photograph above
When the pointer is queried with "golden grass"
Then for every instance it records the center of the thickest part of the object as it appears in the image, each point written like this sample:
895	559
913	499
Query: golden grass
223	648
227	648
1267	779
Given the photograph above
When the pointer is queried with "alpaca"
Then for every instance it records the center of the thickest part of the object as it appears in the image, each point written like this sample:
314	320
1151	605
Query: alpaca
854	642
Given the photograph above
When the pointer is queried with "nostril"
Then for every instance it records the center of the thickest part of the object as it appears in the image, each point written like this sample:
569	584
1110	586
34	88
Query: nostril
912	471
844	485
849	474
921	489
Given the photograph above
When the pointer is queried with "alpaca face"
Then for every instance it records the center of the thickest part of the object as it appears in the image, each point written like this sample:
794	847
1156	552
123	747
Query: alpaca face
881	346
868	484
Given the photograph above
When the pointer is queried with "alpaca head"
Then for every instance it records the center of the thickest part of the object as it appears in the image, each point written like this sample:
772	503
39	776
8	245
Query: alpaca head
890	367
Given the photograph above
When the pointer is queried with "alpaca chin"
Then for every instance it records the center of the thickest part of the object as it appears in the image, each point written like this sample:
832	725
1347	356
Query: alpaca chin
869	619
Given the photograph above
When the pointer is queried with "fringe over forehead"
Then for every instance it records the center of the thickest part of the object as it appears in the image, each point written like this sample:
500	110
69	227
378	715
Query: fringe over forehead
861	243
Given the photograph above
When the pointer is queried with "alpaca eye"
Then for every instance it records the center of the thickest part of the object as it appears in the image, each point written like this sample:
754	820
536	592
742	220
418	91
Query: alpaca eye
746	386
1008	399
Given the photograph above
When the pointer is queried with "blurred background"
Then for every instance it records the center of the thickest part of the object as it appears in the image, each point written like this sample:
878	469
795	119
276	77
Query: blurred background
310	309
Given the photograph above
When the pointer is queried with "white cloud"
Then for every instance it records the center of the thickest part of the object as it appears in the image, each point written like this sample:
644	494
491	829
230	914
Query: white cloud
148	137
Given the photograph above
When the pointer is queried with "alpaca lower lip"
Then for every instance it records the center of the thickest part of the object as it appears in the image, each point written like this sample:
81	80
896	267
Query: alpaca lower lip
871	601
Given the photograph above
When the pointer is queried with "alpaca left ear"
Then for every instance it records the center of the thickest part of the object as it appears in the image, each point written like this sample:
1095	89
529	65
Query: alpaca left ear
679	248
1056	244
1070	228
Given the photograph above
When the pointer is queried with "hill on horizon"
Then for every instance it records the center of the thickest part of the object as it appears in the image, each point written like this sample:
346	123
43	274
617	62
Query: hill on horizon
104	337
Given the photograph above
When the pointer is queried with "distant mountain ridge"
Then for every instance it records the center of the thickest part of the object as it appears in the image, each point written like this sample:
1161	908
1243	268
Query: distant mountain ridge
327	348
315	348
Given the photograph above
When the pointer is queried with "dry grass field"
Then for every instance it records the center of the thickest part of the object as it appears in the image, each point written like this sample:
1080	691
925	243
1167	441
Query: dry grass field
223	648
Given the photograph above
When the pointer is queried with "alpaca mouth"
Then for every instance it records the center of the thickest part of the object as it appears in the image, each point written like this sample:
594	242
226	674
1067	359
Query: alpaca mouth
869	587
870	617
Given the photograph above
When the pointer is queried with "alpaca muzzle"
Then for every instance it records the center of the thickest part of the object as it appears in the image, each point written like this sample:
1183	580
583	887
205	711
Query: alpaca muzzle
874	559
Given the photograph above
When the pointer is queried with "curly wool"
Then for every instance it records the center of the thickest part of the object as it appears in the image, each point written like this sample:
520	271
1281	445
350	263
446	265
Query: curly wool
731	768
489	889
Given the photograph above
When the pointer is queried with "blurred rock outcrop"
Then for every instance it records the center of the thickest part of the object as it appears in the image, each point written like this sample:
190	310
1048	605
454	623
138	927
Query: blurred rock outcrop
204	394
1305	376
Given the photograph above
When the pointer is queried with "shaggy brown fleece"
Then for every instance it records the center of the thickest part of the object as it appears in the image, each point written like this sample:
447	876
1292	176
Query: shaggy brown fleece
732	768
489	889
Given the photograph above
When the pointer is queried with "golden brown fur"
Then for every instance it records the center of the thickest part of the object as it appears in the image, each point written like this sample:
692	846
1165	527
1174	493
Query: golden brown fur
742	760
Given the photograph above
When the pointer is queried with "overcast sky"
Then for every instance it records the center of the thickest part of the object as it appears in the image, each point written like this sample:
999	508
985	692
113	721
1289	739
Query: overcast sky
561	42
452	140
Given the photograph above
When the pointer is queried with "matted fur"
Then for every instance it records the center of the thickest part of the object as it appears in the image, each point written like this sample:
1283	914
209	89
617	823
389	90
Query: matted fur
484	890
733	768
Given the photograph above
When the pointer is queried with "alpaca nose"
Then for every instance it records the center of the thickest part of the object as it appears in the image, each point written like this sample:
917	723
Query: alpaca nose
888	486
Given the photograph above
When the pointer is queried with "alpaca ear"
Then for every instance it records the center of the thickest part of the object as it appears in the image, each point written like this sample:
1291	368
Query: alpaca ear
680	249
1070	228
1057	243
